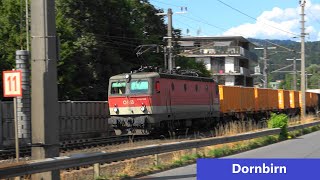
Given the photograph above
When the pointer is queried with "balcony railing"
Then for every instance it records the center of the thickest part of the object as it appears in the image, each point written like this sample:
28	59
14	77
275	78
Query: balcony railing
219	51
237	71
245	71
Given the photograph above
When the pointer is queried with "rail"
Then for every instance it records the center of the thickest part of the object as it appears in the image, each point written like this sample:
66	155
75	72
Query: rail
64	162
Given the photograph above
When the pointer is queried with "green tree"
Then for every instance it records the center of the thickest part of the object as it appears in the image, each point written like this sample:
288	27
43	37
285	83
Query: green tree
190	63
314	78
287	83
12	33
98	40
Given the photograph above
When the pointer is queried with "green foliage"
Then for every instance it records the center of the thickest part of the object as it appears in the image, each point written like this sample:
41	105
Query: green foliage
98	40
279	121
12	33
277	59
287	83
190	63
314	78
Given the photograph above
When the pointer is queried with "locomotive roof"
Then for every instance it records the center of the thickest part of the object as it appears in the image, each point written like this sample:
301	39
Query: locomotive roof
161	75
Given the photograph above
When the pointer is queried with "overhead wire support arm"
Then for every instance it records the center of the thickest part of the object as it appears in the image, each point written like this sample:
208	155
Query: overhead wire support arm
279	70
265	64
141	48
169	49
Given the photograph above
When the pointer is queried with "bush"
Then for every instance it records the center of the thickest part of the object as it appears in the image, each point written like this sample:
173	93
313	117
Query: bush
279	121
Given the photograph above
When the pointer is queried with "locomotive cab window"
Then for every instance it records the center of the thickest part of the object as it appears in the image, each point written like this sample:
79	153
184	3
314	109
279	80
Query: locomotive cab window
157	87
118	87
139	86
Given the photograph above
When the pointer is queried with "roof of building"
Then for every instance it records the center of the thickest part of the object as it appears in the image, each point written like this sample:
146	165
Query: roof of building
239	38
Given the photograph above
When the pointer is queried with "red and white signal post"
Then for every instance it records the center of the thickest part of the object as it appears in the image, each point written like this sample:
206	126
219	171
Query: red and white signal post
12	87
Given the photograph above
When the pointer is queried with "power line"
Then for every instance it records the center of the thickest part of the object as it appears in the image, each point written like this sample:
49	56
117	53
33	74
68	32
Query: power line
255	18
201	20
314	17
220	28
166	3
288	49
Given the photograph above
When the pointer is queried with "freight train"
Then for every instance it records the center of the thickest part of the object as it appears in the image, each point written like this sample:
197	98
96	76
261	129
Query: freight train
148	102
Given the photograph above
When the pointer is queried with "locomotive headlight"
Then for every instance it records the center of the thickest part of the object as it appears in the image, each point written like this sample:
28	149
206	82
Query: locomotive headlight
115	109
143	108
127	77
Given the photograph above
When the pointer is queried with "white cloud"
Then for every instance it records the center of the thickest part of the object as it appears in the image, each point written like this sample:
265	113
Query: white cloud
280	23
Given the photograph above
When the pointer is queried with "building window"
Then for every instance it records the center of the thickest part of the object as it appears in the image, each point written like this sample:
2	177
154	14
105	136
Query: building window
185	87
197	87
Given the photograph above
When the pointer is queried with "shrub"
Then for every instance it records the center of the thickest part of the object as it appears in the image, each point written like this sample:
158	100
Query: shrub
279	121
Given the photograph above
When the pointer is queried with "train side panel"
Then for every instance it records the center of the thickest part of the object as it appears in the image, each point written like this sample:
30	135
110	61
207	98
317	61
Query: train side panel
247	99
314	99
294	99
261	99
308	100
183	99
280	99
284	99
272	99
230	97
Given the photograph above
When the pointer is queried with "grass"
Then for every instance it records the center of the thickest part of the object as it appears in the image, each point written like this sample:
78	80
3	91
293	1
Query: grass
236	127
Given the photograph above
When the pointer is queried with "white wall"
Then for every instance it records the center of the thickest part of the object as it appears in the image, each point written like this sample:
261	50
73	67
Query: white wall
229	64
229	81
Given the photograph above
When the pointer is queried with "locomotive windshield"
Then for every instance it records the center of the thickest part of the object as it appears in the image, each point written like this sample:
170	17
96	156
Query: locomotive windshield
118	87
139	86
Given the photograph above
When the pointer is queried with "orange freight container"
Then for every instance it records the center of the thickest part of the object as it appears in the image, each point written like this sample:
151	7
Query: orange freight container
280	99
230	99
286	99
294	99
314	99
247	99
300	99
308	99
272	99
261	99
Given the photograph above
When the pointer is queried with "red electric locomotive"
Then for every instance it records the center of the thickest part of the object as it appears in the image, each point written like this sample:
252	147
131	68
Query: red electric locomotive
151	102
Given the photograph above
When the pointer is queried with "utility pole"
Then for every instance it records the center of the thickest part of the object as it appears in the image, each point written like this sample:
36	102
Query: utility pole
44	91
170	61
303	81
294	71
27	24
265	65
169	49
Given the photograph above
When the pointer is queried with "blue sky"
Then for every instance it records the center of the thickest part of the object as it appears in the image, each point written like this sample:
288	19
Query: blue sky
276	19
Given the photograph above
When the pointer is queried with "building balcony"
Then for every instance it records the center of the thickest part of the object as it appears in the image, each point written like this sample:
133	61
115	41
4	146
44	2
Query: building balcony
238	71
218	51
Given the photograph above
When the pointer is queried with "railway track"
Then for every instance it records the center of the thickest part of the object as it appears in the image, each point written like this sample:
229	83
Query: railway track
80	144
65	146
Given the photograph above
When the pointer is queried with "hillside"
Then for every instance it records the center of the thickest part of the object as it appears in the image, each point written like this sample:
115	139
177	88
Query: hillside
277	58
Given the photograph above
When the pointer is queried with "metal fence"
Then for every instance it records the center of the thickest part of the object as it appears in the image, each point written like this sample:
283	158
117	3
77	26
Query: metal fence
86	159
77	119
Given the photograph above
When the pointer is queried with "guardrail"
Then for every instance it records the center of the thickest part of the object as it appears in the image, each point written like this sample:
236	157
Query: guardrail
65	162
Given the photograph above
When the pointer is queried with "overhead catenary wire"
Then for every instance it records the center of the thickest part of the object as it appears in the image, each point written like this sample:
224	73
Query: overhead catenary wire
288	32
198	19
